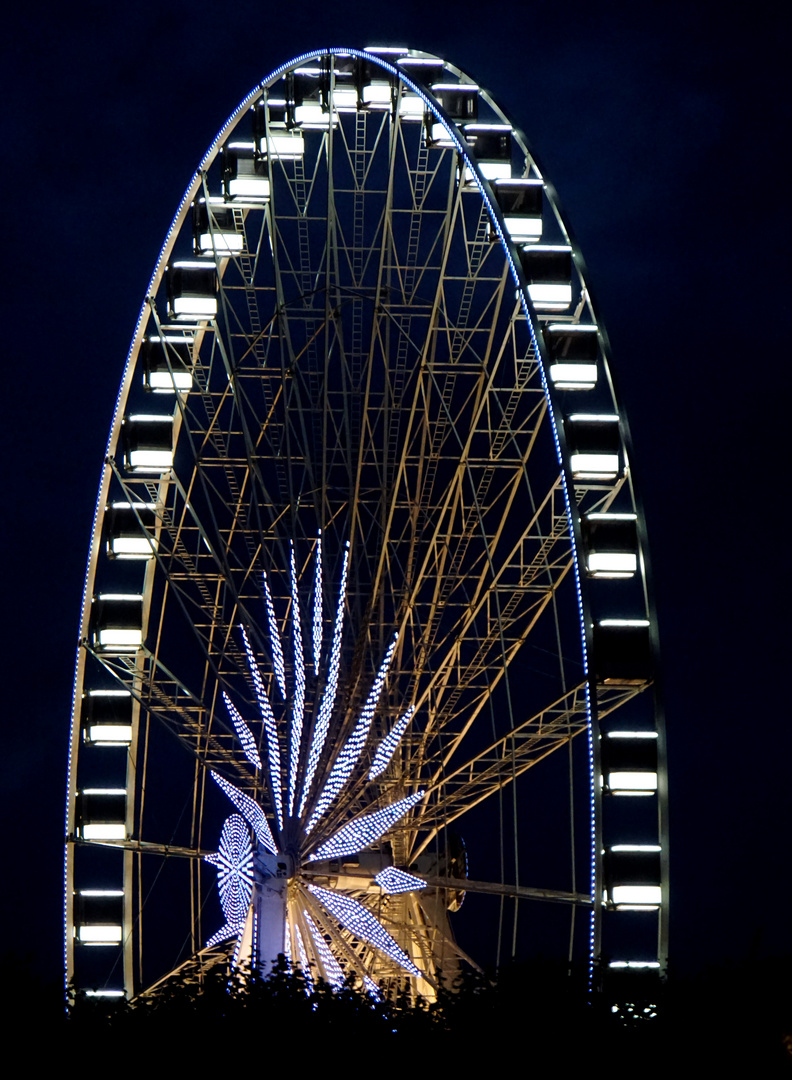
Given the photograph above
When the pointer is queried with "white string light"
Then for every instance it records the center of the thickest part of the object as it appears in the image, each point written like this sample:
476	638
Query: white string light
303	960
287	946
234	859
234	862
332	969
328	698
244	733
251	812
273	749
353	748
360	922
275	641
364	831
387	748
317	605
298	705
393	880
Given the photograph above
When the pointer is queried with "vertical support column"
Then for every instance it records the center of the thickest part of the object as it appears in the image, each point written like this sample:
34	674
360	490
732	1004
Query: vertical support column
269	908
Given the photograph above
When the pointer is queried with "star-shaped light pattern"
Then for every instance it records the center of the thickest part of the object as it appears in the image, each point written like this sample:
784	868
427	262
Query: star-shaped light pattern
300	797
234	862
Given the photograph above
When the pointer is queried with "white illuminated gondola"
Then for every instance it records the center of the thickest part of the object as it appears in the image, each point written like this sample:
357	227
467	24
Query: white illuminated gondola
107	717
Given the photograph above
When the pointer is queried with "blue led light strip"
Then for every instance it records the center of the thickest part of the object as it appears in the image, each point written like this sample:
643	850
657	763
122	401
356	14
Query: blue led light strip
244	733
209	155
275	641
273	748
317	605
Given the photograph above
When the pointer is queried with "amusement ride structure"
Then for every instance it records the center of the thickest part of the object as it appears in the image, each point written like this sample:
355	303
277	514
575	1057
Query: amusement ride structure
367	662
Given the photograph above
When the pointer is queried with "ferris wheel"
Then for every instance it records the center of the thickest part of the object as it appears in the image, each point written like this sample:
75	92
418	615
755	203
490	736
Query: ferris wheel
366	672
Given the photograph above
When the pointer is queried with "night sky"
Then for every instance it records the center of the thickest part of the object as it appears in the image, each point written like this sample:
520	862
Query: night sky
660	127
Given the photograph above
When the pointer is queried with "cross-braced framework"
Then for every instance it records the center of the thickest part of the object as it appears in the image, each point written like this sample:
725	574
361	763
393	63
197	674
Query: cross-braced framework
370	555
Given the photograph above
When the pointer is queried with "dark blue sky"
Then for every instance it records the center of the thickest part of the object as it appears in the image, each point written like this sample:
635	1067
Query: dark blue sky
661	129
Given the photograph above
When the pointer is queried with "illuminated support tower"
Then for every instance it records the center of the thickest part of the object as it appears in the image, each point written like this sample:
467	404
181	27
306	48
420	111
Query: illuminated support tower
367	628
